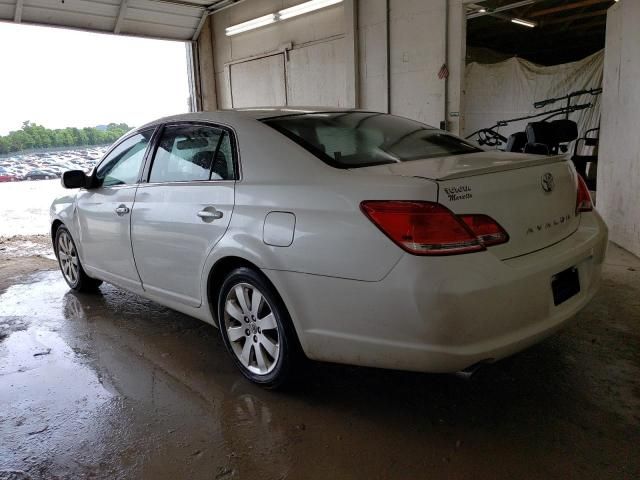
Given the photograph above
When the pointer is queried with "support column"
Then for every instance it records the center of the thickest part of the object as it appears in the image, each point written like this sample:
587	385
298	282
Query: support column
351	55
456	61
205	68
618	193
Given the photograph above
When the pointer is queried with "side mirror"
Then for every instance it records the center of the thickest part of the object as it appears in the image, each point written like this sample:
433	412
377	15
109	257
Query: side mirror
74	179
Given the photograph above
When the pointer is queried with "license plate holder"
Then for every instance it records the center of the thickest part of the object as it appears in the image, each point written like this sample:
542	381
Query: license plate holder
565	285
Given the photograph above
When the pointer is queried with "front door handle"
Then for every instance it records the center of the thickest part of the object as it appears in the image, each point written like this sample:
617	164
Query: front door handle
210	215
122	210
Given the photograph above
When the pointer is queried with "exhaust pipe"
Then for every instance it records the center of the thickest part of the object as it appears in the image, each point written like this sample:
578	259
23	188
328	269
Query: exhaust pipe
470	371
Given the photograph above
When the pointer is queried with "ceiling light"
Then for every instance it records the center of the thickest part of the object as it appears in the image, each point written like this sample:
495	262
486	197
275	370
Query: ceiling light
251	24
525	23
305	7
482	10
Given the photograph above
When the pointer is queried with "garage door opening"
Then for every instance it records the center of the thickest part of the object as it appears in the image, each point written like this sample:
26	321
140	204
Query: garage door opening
66	96
534	77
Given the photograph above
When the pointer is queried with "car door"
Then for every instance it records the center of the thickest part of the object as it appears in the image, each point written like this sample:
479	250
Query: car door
104	213
183	208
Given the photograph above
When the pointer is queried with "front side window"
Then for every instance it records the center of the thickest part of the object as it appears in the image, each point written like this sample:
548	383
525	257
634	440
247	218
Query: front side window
362	139
122	165
188	153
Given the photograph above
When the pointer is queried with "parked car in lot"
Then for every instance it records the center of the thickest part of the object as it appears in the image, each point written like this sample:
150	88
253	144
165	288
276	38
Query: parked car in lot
344	236
7	176
40	175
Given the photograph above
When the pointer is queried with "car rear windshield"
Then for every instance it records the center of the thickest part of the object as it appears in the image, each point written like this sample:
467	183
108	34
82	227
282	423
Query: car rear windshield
363	139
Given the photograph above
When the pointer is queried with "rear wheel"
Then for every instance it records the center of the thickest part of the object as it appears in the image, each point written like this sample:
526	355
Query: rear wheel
256	328
70	265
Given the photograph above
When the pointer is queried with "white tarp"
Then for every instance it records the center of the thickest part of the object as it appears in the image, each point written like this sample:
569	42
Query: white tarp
508	89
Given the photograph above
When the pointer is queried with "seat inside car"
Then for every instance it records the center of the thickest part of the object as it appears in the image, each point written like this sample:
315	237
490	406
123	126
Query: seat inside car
202	159
220	167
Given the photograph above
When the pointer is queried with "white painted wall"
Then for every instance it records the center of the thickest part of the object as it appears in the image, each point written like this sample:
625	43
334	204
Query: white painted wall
417	40
317	75
619	155
327	67
372	48
417	53
306	35
269	90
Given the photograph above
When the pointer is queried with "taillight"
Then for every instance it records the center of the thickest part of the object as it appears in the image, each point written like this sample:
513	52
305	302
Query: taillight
486	229
583	202
428	228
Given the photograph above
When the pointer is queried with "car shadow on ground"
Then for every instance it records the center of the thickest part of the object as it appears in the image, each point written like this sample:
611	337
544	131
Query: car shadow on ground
142	381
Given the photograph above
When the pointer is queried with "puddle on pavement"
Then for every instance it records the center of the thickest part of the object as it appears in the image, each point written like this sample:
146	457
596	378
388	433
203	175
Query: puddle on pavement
113	386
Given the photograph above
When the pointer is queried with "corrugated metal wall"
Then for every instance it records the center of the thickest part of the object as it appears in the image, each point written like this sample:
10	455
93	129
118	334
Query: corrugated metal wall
164	19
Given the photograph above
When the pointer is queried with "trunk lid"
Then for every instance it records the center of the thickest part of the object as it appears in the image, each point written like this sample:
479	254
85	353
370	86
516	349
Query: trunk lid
532	197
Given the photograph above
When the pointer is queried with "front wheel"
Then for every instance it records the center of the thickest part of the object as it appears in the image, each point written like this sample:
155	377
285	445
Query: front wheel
256	329
70	265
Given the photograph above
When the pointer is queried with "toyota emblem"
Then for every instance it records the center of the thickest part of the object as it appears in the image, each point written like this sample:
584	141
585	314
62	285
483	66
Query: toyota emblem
547	182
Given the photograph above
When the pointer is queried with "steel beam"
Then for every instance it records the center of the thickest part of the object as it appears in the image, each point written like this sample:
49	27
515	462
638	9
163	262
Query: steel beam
564	8
571	18
17	16
504	8
121	15
203	19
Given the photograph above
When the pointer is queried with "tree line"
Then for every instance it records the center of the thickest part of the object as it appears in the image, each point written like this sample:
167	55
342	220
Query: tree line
32	135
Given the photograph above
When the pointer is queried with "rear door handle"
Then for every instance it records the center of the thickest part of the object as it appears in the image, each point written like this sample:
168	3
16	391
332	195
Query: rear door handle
211	214
122	210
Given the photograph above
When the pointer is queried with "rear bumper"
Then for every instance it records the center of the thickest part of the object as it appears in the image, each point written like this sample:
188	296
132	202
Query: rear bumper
443	314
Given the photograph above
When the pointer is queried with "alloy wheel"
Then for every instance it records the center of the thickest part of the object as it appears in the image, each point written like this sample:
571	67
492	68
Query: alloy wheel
68	256
252	329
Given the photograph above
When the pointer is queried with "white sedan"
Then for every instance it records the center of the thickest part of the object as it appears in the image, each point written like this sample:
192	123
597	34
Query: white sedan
343	236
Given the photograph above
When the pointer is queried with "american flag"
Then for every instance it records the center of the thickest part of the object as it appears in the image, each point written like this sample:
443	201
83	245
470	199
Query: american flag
444	72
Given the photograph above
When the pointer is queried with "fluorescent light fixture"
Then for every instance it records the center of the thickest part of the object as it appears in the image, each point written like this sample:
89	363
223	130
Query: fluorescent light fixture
251	24
290	12
482	10
305	7
524	23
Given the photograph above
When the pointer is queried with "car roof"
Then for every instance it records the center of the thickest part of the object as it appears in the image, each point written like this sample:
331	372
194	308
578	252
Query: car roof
257	113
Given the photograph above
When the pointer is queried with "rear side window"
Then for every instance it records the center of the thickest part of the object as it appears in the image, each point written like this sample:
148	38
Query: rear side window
188	153
362	139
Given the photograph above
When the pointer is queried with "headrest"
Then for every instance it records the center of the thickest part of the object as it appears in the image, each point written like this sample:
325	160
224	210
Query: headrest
540	132
564	131
516	142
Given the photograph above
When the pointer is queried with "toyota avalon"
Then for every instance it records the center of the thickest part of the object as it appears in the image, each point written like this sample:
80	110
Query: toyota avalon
345	236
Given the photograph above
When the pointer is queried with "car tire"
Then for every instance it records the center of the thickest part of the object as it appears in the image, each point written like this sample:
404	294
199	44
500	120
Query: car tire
257	330
69	262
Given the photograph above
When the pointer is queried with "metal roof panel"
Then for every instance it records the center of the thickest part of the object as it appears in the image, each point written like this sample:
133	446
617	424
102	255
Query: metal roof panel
163	19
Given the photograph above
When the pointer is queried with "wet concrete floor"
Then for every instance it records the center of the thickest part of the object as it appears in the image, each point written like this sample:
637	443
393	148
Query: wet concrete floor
114	386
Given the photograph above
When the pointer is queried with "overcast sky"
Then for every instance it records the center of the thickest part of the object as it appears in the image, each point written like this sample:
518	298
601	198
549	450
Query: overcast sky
64	78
